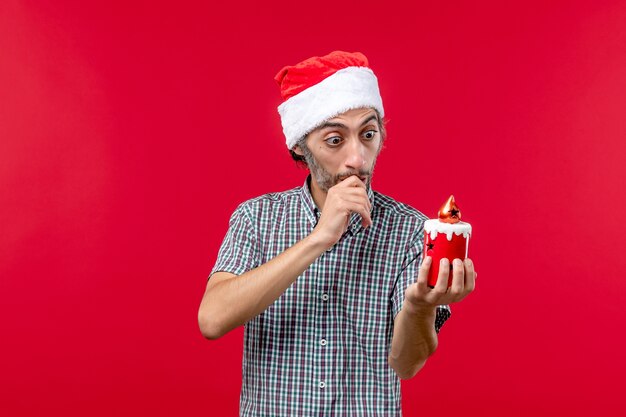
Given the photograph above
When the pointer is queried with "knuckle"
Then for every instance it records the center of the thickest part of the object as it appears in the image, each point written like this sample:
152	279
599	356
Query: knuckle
439	291
410	291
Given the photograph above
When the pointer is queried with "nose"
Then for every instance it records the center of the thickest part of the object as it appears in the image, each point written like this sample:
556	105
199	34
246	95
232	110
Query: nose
355	157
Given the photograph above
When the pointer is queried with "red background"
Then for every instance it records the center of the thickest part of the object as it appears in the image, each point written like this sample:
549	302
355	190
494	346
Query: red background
130	132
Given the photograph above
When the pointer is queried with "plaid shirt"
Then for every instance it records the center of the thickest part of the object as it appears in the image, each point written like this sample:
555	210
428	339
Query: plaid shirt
321	348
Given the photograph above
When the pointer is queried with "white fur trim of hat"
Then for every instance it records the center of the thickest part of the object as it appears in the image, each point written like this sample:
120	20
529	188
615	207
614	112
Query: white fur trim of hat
321	88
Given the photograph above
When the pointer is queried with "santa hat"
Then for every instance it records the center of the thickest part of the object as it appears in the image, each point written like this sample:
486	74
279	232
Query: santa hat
321	88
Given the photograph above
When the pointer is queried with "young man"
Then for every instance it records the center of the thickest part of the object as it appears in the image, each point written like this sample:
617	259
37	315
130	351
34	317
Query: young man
326	277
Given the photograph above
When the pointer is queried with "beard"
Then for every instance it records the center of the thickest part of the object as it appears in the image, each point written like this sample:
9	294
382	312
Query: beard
325	179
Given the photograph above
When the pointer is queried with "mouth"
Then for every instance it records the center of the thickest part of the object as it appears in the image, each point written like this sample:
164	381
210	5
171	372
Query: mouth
362	178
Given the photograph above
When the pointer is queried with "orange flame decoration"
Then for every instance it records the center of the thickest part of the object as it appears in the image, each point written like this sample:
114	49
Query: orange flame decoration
449	212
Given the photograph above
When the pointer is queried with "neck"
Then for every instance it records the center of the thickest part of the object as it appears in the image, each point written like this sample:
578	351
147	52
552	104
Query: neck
319	195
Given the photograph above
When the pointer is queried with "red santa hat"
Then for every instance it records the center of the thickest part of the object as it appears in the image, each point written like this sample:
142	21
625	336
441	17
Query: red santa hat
321	88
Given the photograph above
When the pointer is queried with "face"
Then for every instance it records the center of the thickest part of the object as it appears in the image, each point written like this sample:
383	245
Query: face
345	145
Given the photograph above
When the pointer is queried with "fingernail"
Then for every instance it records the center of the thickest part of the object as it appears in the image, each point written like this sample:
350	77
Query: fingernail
469	262
444	261
458	263
428	260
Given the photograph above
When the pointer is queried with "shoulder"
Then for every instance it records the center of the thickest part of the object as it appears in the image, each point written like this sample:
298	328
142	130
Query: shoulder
389	207
399	216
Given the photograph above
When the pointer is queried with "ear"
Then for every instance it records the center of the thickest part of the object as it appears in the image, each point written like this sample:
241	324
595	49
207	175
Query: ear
298	150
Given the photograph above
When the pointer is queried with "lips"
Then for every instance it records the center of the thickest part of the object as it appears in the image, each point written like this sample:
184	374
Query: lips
345	178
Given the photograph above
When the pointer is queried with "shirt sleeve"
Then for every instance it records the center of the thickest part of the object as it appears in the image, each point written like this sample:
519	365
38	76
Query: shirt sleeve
239	251
408	275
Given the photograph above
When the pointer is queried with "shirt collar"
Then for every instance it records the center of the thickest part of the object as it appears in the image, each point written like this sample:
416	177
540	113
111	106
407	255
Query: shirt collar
313	213
310	209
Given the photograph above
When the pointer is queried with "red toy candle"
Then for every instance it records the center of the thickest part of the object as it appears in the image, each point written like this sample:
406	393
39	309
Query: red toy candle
446	237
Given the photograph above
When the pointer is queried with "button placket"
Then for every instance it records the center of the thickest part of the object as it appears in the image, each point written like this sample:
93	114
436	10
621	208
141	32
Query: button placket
322	363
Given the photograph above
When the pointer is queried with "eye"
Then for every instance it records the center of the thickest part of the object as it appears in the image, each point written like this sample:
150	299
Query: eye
370	134
334	141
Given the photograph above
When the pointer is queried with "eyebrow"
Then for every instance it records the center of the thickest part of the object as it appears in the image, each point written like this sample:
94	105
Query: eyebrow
342	126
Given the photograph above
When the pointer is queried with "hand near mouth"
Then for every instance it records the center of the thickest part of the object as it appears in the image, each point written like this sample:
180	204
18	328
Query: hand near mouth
346	197
363	179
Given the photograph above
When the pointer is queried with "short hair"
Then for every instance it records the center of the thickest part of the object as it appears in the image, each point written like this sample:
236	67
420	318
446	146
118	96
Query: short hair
300	160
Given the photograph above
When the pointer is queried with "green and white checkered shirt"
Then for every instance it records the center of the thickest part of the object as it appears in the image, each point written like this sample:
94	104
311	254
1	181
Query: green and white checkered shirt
321	348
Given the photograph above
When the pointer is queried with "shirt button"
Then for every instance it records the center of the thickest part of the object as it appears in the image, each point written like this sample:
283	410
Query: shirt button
323	342
325	297
354	227
322	384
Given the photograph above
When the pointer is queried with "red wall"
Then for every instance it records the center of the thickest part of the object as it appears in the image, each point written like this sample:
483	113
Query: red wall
128	134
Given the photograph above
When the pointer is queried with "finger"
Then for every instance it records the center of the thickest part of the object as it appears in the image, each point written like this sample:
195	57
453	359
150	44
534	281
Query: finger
441	287
470	276
358	200
362	192
458	277
366	220
357	191
358	197
422	275
359	208
352	181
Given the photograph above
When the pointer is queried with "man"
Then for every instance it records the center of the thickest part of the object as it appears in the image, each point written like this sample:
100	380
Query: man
326	277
